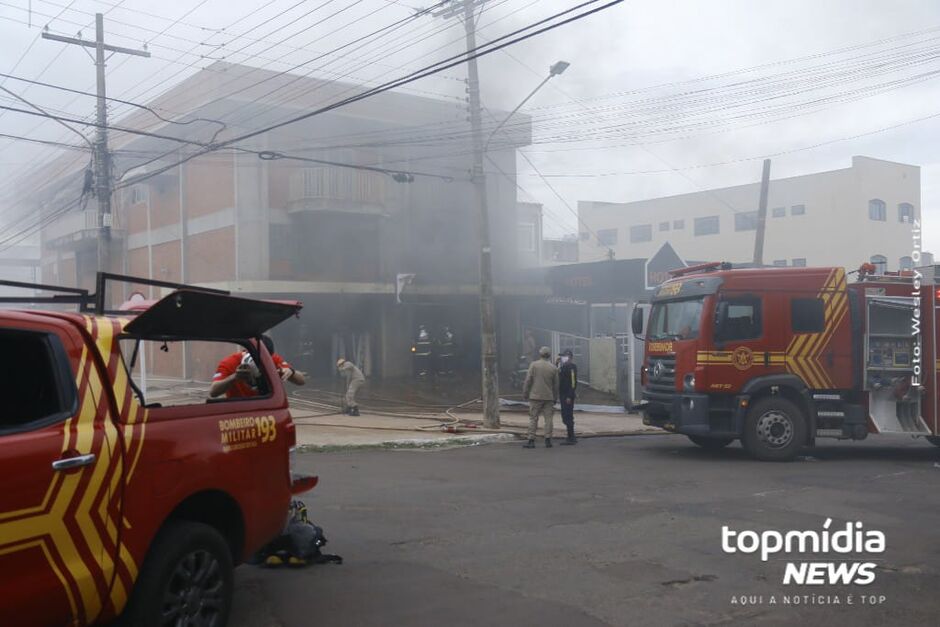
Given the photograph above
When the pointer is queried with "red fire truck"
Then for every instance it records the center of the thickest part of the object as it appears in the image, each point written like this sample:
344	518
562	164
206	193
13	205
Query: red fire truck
778	357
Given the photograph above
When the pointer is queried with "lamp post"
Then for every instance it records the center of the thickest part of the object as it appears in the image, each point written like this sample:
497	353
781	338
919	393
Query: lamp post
490	391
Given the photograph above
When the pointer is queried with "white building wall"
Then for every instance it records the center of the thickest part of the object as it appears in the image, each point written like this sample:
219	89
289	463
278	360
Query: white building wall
835	229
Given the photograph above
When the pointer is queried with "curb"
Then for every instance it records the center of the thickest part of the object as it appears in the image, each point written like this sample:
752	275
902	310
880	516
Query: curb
413	443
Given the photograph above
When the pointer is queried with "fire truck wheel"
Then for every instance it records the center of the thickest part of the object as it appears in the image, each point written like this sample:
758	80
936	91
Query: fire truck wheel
934	439
186	579
774	430
712	444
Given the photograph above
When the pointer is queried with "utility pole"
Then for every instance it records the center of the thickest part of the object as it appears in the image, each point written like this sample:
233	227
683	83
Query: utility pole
102	155
489	370
762	215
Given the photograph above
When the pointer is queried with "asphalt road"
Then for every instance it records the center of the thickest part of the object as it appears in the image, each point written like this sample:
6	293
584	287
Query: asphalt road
622	531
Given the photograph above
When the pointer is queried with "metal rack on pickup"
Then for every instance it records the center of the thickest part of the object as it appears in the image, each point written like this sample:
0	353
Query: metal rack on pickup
86	301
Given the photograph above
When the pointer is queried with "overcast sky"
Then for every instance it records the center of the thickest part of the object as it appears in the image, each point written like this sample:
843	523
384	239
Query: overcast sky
636	45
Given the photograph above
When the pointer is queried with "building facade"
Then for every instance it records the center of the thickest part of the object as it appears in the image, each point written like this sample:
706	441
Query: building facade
338	238
842	217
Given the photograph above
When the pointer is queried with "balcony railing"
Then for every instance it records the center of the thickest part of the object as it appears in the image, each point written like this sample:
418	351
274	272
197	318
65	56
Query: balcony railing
337	189
74	228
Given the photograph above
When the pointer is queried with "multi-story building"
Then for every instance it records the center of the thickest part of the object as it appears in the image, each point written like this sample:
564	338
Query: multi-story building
341	239
842	217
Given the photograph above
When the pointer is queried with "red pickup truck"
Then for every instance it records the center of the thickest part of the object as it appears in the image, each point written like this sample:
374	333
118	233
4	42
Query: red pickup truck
114	505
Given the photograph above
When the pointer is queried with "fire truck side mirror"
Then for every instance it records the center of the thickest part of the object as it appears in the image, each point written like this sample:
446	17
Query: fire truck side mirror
637	321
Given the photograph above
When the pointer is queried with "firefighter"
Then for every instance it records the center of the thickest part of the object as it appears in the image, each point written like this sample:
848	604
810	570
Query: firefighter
238	376
567	385
541	391
354	381
446	349
421	350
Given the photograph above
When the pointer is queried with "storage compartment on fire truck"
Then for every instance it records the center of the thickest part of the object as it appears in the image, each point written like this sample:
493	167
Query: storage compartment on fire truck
890	358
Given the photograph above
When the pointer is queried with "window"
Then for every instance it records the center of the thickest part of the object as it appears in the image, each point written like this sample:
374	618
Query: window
906	212
798	210
641	233
678	225
675	320
162	377
880	262
780	263
707	226
906	263
778	212
664	226
807	315
137	194
607	237
35	380
799	262
877	210
741	320
745	221
527	237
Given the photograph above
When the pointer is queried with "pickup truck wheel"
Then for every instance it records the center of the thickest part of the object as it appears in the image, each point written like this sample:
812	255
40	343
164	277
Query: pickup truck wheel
774	430
712	444
186	580
934	439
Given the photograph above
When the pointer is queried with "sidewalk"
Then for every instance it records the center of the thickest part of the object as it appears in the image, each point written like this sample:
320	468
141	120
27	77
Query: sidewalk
316	430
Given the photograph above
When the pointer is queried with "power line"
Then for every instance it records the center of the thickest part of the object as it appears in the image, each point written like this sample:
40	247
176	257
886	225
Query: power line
436	67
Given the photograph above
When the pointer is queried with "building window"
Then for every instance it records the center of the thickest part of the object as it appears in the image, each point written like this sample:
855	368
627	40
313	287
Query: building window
906	212
780	263
745	221
807	315
527	237
663	226
877	210
641	233
906	263
137	194
880	262
707	226
778	212
607	237
799	262
798	210
678	225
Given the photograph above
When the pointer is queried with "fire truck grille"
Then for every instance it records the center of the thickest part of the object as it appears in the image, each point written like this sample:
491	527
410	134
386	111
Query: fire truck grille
661	376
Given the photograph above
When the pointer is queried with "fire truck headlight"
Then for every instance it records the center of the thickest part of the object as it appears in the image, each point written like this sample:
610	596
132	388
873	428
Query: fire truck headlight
689	382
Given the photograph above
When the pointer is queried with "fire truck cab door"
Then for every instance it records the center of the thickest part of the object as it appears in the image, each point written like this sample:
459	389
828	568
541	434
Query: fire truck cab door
54	550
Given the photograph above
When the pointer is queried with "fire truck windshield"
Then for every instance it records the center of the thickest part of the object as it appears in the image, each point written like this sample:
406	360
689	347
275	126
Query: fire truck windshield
676	320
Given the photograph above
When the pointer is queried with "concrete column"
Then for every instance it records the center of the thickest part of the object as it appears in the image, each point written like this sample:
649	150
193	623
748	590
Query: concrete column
394	341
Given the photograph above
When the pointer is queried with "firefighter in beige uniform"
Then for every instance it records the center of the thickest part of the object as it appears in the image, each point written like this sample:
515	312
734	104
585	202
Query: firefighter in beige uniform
354	381
541	390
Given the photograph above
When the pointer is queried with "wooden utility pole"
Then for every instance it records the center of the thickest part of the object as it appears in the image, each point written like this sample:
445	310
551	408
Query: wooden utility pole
489	366
762	215
102	155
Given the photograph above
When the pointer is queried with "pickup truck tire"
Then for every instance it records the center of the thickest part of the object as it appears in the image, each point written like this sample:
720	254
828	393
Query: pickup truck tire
774	430
712	444
186	579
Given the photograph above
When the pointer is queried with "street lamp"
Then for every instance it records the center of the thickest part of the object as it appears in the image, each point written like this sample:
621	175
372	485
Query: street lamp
490	391
556	69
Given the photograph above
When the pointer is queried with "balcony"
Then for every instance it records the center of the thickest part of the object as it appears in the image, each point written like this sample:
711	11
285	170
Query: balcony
337	189
74	230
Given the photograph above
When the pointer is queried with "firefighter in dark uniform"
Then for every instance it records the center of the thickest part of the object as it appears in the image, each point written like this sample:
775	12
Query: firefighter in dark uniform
567	386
